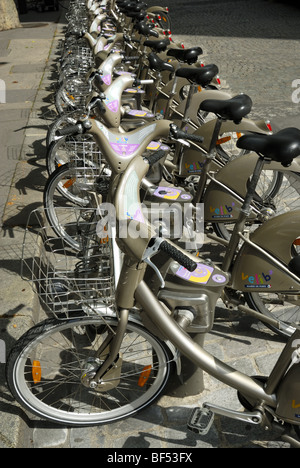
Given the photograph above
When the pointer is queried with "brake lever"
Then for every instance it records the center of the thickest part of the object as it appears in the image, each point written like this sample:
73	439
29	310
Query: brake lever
149	252
173	133
182	142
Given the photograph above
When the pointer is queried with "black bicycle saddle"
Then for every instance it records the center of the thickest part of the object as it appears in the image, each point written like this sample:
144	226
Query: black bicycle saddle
130	7
156	63
189	56
201	76
283	146
230	109
158	46
138	15
146	29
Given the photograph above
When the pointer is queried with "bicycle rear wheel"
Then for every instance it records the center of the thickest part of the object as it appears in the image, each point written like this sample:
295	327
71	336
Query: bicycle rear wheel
278	191
284	307
46	369
277	306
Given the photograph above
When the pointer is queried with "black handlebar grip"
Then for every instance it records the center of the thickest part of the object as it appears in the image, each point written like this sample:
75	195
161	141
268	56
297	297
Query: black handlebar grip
195	138
98	80
178	256
155	157
130	58
187	136
180	134
71	130
101	107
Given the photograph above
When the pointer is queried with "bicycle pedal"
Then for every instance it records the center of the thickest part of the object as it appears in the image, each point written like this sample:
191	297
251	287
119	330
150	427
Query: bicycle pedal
201	421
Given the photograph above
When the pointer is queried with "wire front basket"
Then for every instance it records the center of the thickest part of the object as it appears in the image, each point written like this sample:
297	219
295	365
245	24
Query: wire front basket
87	164
68	282
85	149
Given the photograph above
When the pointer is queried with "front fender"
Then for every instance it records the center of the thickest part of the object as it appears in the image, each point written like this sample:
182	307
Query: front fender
137	318
154	9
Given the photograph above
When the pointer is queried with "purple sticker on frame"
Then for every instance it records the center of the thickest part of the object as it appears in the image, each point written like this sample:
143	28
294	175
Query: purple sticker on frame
106	79
124	149
137	216
113	105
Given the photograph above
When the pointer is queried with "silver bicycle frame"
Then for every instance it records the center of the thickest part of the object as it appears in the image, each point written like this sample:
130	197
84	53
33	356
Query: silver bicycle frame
195	353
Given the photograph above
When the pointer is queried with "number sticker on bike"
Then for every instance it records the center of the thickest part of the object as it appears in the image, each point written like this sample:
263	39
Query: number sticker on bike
200	275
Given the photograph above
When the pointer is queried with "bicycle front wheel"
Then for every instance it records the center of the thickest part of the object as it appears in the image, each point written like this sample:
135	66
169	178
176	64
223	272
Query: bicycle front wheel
62	194
46	368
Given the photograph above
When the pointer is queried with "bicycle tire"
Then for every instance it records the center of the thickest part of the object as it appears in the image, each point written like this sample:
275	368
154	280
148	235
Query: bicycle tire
285	308
58	393
271	305
59	203
69	118
62	105
281	195
164	20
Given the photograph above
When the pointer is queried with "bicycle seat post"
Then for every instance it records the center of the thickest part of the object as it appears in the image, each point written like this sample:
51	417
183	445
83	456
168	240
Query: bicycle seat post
216	133
209	157
243	215
192	91
143	68
153	99
171	96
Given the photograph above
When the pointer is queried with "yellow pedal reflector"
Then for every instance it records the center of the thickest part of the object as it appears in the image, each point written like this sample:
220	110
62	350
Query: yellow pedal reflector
145	374
220	141
69	182
36	372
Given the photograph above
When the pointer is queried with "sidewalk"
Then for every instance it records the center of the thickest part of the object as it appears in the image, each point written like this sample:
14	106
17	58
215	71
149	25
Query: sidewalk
25	63
26	57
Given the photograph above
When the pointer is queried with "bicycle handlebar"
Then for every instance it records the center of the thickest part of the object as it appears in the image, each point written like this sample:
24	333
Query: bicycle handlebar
71	130
178	256
155	157
97	79
130	58
178	134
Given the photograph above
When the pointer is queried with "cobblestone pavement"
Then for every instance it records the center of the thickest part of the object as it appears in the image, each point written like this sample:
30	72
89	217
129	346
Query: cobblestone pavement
256	46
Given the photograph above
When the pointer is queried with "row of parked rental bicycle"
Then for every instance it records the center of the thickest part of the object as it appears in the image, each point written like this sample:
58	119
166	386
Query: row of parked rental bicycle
132	78
148	156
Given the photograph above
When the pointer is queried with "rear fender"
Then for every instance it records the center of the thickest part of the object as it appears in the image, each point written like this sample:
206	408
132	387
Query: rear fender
246	126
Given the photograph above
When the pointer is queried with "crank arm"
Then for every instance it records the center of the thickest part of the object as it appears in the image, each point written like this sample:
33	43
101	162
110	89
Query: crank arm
253	417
